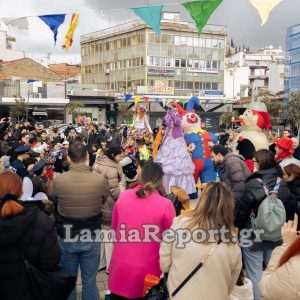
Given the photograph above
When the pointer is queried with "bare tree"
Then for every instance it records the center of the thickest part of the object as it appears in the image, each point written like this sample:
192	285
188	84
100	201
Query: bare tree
293	109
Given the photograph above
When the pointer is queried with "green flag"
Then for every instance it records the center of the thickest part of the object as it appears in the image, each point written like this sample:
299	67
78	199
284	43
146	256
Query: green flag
201	11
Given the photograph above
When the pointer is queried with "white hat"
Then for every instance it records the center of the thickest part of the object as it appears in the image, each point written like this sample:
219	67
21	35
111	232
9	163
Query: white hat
258	106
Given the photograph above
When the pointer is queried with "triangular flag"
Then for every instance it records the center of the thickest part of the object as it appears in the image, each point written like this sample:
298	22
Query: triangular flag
20	23
201	11
31	80
137	99
71	30
151	15
53	21
157	100
146	99
264	8
183	101
127	97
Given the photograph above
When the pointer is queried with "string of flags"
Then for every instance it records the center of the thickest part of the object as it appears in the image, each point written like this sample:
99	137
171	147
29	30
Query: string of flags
200	11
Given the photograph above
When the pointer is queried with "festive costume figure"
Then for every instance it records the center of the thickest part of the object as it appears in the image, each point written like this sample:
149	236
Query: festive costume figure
284	152
254	121
140	129
198	141
173	155
253	138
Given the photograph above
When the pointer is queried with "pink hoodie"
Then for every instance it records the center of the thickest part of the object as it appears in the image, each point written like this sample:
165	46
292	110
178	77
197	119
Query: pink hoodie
131	262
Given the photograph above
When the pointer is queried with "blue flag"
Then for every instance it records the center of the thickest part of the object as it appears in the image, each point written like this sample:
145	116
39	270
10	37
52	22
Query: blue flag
151	15
31	80
127	97
53	21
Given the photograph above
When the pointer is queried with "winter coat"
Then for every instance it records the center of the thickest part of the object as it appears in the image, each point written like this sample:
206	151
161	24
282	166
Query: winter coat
94	138
234	172
31	234
282	283
113	139
254	195
294	187
113	175
243	292
80	196
131	262
215	280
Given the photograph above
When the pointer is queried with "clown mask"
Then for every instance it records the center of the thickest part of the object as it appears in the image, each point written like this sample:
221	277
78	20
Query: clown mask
249	121
190	121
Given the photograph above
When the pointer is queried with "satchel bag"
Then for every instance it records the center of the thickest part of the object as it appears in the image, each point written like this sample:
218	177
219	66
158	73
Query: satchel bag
160	291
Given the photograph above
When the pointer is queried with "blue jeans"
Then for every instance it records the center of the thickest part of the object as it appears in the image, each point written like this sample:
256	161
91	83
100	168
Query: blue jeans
253	261
87	257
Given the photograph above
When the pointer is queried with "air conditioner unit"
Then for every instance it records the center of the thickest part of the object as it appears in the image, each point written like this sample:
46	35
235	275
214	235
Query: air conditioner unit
107	71
37	95
70	92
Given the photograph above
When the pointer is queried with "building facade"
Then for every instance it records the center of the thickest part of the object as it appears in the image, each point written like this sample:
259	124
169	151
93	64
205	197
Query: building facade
292	70
260	70
130	58
7	48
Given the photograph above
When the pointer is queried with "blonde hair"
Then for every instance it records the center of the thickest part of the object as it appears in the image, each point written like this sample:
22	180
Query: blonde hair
214	210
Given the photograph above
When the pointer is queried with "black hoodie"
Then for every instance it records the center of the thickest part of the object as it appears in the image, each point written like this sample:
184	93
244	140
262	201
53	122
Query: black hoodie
30	234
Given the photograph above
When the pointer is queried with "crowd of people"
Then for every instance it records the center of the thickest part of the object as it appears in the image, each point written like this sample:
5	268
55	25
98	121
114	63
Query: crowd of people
61	194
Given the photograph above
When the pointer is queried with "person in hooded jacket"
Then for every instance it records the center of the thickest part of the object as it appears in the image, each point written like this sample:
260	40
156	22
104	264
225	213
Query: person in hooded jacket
232	169
260	252
25	232
109	166
291	174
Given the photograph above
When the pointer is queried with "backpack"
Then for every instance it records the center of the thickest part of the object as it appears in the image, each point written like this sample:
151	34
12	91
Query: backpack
271	215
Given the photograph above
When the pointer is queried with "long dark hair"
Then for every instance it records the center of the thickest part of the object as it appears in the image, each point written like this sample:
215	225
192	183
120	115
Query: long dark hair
112	152
151	178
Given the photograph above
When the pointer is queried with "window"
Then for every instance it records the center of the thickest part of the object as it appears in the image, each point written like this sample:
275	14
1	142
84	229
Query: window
142	61
177	84
196	64
207	86
208	43
214	86
177	40
190	64
221	43
214	65
189	85
177	63
214	43
163	61
107	46
183	40
196	42
156	61
190	41
183	63
208	64
170	62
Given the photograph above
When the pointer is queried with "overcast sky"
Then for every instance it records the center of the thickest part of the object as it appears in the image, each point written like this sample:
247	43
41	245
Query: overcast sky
240	16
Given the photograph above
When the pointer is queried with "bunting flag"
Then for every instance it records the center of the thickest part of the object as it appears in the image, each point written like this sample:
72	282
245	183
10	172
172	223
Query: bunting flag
127	97
146	99
71	30
137	99
264	8
31	80
184	101
151	15
58	84
20	23
53	21
156	100
201	11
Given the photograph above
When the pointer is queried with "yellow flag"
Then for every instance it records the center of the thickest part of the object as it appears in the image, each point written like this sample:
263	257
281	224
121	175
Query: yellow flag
137	99
264	8
71	30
